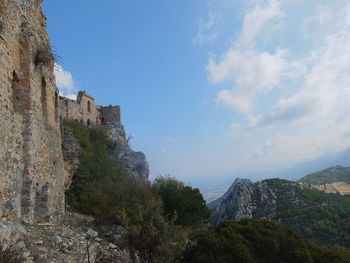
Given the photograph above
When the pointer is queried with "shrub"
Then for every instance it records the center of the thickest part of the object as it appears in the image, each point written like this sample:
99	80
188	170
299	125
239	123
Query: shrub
45	56
101	188
183	203
247	241
96	163
255	241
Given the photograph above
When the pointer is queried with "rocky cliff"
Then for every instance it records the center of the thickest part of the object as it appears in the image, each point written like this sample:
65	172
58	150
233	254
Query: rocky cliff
320	217
134	163
214	204
71	152
245	200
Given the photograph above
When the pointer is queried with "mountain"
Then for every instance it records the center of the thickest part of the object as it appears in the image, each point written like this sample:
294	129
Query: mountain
328	176
213	190
320	217
214	204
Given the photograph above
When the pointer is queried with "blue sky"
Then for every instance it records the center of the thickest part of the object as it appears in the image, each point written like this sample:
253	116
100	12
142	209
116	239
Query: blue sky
210	88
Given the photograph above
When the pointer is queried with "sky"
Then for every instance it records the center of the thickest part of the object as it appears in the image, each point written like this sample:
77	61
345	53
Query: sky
210	88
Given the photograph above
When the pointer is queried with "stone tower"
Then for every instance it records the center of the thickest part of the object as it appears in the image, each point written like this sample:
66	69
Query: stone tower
31	163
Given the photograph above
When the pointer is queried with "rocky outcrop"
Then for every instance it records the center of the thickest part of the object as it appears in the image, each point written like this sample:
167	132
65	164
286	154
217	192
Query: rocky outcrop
134	163
74	241
214	204
245	200
71	152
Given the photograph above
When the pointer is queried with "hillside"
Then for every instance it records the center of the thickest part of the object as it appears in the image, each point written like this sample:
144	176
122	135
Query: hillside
320	217
328	176
212	205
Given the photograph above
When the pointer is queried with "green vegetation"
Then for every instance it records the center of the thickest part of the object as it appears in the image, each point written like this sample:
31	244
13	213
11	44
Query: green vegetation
161	218
101	188
96	164
328	176
320	217
182	203
255	241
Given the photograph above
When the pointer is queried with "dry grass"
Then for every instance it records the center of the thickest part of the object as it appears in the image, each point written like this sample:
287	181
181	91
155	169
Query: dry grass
44	56
11	254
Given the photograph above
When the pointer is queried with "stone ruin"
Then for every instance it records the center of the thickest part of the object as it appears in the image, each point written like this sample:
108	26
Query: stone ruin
35	169
84	108
31	163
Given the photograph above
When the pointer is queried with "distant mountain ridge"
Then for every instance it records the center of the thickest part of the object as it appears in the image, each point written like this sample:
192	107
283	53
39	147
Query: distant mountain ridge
328	176
217	189
320	217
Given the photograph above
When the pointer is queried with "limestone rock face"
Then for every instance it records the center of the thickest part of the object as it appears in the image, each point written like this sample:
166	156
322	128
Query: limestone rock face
134	163
68	243
214	204
246	201
71	152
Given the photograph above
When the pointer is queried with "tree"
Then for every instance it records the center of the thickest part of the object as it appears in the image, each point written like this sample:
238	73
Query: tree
248	241
101	188
181	202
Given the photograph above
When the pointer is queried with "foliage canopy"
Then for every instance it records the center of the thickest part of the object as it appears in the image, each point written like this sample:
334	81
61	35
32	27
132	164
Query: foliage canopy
182	202
257	241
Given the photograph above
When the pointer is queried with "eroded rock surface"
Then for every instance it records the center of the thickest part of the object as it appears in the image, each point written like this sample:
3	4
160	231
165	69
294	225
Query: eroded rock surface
134	163
246	200
71	242
71	152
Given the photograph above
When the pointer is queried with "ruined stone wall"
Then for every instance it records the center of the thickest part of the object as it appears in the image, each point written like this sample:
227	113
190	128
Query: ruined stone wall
110	114
70	109
88	106
84	108
31	163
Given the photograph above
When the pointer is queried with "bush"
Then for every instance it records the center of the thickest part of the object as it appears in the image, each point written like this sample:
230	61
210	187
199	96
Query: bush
96	163
183	203
255	241
101	188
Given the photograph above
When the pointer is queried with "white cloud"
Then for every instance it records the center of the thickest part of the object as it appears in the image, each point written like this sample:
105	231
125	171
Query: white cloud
310	114
256	19
326	87
317	114
205	34
295	148
65	82
252	72
71	96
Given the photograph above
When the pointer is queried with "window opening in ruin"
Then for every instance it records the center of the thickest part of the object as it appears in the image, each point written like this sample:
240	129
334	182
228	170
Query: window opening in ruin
15	91
44	97
56	107
89	106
